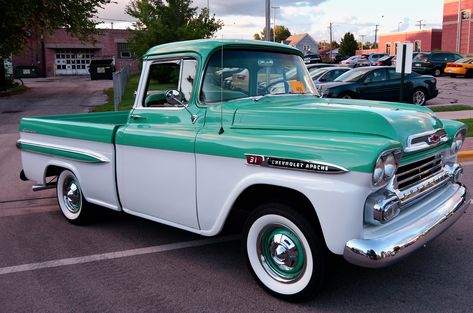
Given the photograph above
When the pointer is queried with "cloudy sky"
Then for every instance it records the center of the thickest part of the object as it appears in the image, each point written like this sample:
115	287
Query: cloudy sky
243	18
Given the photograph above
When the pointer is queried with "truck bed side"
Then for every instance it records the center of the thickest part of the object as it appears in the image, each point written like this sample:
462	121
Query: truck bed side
82	143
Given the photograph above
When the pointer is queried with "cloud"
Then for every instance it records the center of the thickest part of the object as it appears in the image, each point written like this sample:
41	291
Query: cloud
250	7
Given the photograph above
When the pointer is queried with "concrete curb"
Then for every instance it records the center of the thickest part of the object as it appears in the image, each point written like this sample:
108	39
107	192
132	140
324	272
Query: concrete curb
464	156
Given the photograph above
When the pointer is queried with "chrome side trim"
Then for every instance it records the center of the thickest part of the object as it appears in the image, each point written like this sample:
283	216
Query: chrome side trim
389	248
98	158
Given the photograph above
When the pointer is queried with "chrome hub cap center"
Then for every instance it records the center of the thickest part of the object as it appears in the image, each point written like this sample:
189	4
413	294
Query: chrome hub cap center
281	253
71	195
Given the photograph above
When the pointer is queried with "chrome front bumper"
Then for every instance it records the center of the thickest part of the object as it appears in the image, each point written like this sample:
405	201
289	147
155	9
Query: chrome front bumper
380	249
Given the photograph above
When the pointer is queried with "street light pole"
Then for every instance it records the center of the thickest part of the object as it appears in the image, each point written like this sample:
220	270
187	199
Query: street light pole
399	26
274	22
362	41
267	14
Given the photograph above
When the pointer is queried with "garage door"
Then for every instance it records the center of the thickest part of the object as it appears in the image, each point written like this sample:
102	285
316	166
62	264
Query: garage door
73	61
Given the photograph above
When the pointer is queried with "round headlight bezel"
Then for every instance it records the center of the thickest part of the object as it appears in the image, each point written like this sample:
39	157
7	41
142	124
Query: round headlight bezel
385	167
457	141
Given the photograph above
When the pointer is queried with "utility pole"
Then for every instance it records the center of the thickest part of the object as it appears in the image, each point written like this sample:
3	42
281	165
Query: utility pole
420	24
399	26
268	17
274	23
375	45
331	39
459	25
362	41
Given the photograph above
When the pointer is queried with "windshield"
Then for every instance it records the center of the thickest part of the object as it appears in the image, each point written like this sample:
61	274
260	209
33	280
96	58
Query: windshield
249	73
464	60
421	57
352	76
317	73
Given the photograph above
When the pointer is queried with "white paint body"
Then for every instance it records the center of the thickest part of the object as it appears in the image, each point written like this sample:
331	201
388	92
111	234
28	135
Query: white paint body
196	192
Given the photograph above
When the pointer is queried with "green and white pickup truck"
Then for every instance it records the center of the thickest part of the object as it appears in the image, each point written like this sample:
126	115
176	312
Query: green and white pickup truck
221	128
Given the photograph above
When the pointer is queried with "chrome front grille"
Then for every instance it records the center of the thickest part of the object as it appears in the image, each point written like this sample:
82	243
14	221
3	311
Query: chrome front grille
411	174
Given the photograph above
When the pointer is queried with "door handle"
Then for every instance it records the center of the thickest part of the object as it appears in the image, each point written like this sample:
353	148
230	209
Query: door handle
135	116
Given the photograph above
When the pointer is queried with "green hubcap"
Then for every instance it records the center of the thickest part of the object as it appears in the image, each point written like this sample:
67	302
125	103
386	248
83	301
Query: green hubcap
281	254
71	195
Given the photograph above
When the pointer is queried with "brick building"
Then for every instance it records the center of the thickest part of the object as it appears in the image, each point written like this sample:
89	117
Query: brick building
61	54
457	26
423	40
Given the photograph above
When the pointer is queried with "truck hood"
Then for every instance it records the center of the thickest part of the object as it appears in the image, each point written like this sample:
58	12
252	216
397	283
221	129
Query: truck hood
306	113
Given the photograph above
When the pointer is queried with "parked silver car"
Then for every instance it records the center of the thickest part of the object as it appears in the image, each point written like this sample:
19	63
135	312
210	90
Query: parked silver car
351	61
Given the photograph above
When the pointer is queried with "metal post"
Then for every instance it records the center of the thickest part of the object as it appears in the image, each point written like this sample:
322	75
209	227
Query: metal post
459	25
268	17
403	72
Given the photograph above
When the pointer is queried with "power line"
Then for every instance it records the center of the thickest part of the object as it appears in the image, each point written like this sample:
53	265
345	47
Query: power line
420	24
114	19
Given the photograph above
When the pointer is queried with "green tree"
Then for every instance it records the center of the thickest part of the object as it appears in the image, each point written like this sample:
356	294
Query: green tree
348	45
162	21
282	33
20	19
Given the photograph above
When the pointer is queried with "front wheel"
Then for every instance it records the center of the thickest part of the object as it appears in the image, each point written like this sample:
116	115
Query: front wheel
71	199
419	97
284	253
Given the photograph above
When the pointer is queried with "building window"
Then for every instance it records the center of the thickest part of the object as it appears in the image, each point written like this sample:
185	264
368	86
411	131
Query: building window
417	46
306	47
388	48
395	47
123	51
465	14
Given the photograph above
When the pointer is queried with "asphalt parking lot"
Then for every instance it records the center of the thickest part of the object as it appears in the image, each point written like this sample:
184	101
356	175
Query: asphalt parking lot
121	263
458	90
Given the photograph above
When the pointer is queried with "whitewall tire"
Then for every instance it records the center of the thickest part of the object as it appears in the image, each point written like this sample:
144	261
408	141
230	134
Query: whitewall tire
284	253
71	199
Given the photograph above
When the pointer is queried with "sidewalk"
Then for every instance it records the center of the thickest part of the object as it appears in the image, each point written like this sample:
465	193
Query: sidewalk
466	153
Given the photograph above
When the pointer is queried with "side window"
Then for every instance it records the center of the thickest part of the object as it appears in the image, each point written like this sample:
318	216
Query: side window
376	76
178	75
439	57
393	74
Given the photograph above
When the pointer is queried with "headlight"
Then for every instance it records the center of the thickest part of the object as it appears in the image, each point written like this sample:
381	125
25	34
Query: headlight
457	141
386	166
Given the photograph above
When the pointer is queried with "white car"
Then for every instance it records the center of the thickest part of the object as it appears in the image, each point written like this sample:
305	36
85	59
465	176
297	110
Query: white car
351	61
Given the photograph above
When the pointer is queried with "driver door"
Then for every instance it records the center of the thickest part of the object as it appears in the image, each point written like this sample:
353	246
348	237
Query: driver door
155	150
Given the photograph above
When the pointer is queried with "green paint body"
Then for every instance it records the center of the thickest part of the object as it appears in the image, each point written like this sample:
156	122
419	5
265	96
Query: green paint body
347	133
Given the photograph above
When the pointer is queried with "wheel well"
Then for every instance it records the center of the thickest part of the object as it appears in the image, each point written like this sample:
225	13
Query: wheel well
256	195
347	92
53	170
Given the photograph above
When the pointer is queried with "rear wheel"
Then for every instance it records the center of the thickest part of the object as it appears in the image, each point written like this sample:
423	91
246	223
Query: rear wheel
437	71
419	97
346	95
284	253
469	73
71	199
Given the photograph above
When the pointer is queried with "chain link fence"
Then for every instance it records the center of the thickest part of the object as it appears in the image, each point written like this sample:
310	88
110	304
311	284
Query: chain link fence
120	78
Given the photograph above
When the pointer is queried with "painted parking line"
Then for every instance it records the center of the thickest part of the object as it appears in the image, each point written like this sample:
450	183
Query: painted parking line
116	255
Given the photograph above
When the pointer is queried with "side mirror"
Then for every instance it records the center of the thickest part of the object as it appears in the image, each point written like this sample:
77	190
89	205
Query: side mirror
173	97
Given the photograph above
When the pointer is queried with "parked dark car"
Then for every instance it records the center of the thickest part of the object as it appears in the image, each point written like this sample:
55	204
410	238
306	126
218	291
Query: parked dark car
327	74
313	67
312	58
394	59
381	83
433	62
385	61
